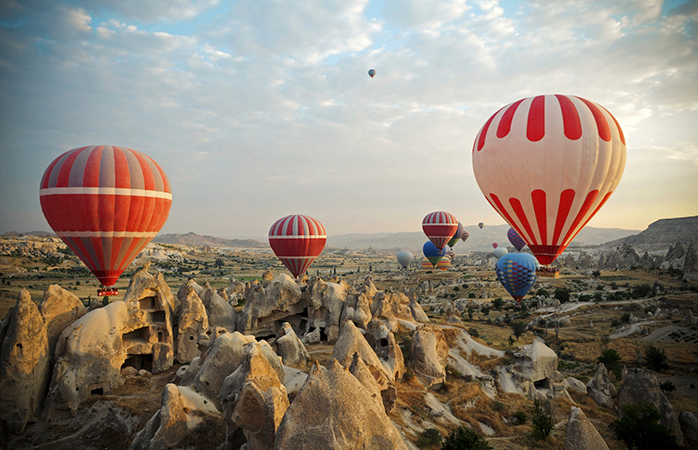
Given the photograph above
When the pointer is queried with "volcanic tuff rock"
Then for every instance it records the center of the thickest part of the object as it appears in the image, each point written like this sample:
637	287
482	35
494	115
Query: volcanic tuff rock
357	309
220	313
291	350
335	411
191	321
581	434
92	350
254	402
600	388
265	307
689	427
429	355
325	304
641	386
24	364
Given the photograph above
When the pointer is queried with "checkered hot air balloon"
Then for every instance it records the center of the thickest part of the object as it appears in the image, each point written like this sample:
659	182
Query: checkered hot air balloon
297	240
439	227
517	273
515	239
547	164
106	203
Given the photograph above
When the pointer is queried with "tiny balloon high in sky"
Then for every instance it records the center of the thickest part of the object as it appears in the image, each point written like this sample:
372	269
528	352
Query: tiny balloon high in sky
547	164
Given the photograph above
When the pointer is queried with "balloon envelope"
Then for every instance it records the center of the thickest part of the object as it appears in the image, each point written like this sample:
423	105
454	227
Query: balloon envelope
439	227
500	251
372	73
465	235
404	258
444	264
515	239
432	253
563	157
517	273
297	240
495	245
456	236
426	264
106	203
481	224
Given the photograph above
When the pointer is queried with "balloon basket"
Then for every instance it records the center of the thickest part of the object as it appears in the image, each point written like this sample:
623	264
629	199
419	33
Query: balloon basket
548	272
107	292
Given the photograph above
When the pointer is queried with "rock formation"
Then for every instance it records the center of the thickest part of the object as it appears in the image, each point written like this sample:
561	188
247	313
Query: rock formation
219	311
24	365
581	433
429	355
59	309
91	352
266	308
290	348
600	388
689	427
192	320
334	411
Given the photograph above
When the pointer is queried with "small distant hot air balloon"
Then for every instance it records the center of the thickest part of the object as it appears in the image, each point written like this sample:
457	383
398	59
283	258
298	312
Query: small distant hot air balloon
439	227
515	239
297	240
444	264
456	236
404	258
450	254
495	245
481	224
563	156
432	253
106	203
372	73
465	235
517	273
500	251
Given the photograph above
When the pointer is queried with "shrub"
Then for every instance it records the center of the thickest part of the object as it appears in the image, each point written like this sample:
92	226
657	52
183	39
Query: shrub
498	303
518	328
429	438
656	359
542	292
625	318
463	438
542	421
611	359
521	416
639	428
562	294
473	332
641	291
667	386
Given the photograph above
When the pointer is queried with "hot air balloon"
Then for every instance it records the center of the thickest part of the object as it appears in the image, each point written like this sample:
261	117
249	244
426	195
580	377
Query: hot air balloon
547	164
456	236
443	264
495	245
517	273
465	235
426	264
372	73
500	251
404	258
450	254
439	227
515	239
106	203
297	240
432	253
481	224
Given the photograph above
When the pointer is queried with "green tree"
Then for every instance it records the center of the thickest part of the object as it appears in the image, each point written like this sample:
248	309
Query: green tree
656	359
518	328
471	311
562	294
498	303
429	438
611	359
464	438
639	428
542	421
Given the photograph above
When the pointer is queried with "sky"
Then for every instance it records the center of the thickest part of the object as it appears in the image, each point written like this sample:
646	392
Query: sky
257	109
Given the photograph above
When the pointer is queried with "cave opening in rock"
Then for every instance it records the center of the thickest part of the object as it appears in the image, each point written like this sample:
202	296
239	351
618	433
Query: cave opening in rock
139	362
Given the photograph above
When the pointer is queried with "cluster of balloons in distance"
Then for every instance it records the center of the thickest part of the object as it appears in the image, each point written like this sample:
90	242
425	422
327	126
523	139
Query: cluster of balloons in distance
565	156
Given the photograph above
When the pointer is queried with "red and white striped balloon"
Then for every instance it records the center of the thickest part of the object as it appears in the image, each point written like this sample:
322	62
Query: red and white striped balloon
297	240
439	227
106	203
547	164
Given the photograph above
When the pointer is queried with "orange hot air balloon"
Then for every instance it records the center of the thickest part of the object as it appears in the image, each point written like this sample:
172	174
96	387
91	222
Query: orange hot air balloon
547	164
106	203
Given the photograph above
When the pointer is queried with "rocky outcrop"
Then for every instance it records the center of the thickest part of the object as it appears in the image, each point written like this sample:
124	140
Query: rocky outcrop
335	411
254	402
417	312
192	320
689	426
453	314
219	311
641	386
24	365
573	384
357	309
266	308
325	304
581	434
59	309
690	264
429	355
600	388
91	352
290	348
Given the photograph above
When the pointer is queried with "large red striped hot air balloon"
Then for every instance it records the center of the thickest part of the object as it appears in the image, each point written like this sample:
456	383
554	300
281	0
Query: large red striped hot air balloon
547	164
297	240
439	227
106	203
